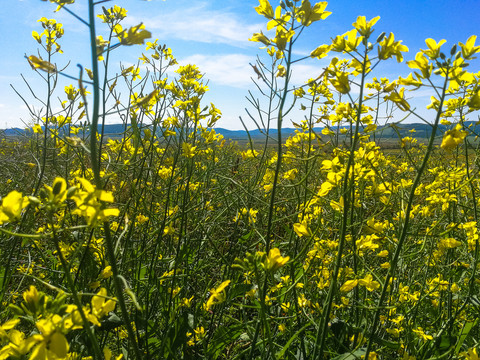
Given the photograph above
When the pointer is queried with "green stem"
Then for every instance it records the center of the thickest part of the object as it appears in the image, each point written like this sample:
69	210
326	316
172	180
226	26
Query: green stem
98	181
348	184
403	234
91	336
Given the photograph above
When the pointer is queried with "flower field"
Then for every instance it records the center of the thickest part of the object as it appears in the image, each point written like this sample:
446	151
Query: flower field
167	241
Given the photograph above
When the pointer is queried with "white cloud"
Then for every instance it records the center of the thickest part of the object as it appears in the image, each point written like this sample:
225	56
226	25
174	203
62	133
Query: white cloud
200	24
235	70
301	73
230	70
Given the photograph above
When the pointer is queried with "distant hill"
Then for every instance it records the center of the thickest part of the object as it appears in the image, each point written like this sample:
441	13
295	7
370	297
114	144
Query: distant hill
422	131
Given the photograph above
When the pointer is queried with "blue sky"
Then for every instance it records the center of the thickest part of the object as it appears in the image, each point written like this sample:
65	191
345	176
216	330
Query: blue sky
214	35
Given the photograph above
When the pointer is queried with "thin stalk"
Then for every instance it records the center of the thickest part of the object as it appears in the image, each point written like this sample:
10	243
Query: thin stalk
97	353
347	184
403	234
274	189
96	173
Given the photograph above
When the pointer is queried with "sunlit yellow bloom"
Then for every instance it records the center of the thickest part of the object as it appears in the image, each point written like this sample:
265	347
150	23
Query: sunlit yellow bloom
107	353
339	80
433	51
422	63
107	272
383	253
419	331
474	101
409	80
249	154
320	52
369	283
282	37
12	206
449	243
349	285
100	307
133	36
469	48
188	150
37	129
307	14
275	260
399	99
364	28
452	138
471	354
265	9
51	343
217	295
302	229
39	63
260	37
100	46
114	14
90	201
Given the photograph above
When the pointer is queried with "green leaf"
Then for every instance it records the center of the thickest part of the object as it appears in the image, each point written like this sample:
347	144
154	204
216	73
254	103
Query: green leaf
279	355
464	334
239	290
354	355
223	336
445	342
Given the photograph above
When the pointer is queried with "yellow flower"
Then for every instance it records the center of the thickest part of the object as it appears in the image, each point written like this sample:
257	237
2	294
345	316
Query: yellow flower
37	129
399	99
111	15
453	137
422	63
249	154
469	48
364	28
265	9
275	260
349	285
472	354
433	51
90	201
39	63
12	206
282	37
51	343
188	150
339	81
57	193
369	283
106	273
217	295
260	37
409	80
307	14
100	46
100	307
8	325
419	331
107	353
320	52
281	71
133	36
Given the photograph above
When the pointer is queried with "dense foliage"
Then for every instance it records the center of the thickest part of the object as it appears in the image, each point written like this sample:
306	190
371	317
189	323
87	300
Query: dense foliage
168	242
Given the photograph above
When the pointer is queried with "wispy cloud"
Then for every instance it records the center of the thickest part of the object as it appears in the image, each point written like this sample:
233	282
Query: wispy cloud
230	70
201	24
234	70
